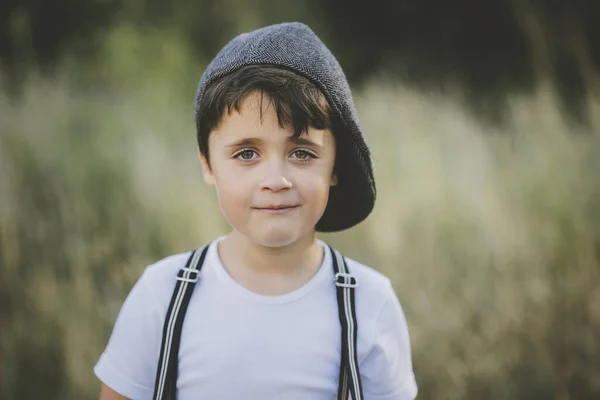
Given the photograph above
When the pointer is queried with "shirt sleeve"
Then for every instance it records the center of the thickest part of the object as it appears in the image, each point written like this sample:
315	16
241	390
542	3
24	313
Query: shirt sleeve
387	372
128	364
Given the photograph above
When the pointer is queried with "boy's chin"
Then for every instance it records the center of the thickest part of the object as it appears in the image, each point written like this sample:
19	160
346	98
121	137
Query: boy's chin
276	237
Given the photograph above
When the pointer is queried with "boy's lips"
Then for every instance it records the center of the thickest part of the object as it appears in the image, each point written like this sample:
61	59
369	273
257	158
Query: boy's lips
277	208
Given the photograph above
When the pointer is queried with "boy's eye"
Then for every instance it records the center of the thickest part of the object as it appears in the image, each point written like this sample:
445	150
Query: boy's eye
245	154
302	154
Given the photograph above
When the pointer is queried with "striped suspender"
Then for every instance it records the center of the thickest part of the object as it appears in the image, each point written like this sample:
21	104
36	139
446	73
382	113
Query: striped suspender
165	387
345	285
166	375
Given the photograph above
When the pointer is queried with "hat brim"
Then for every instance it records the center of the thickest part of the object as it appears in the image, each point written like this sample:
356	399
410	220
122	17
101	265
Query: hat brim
352	199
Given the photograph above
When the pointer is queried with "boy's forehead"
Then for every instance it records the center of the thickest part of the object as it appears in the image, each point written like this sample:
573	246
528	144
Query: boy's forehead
254	109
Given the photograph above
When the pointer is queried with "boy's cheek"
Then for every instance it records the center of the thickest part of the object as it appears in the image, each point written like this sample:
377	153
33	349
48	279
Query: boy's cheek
234	191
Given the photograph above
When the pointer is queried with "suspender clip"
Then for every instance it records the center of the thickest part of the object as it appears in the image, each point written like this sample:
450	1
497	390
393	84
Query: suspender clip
343	279
191	278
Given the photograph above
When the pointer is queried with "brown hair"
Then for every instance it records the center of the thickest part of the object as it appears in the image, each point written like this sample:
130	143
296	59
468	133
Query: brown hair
299	104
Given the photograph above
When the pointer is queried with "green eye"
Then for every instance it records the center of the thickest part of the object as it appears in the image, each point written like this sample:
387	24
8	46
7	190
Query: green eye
245	155
302	154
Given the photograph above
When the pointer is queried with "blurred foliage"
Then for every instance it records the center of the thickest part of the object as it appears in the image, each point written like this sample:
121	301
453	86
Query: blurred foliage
487	47
490	233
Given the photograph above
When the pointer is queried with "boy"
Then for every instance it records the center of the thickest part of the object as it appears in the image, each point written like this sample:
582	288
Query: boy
271	312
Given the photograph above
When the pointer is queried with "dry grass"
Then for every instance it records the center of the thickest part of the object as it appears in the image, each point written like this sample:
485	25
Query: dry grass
490	235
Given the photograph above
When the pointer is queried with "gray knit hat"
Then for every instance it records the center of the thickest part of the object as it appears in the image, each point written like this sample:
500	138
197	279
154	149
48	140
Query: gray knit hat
296	47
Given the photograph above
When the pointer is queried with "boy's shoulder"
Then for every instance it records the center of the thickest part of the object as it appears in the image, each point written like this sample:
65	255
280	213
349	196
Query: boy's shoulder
167	266
373	285
367	275
159	277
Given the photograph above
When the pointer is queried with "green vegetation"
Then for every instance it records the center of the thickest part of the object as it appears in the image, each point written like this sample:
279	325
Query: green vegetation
491	235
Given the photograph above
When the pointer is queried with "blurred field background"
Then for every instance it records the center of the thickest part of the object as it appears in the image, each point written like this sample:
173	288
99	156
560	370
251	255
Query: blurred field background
484	120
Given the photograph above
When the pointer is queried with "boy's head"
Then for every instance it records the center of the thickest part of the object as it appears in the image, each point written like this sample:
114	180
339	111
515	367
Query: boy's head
276	127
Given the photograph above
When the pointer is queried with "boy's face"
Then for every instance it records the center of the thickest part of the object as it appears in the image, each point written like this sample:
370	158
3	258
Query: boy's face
272	188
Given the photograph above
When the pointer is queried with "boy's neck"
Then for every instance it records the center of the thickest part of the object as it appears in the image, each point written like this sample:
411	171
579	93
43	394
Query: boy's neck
270	270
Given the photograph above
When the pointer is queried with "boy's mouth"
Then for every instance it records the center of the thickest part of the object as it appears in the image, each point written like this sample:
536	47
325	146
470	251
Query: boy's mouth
277	208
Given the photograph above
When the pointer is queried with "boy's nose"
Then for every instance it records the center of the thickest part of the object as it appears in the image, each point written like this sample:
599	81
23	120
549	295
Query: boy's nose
275	178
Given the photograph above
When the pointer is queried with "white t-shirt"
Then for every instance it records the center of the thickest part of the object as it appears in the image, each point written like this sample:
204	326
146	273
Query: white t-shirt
236	344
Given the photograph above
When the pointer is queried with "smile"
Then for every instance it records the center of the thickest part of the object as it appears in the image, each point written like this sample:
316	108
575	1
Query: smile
276	209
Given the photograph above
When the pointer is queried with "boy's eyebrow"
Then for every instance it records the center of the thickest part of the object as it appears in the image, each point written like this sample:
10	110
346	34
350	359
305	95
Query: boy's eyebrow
245	142
304	142
256	141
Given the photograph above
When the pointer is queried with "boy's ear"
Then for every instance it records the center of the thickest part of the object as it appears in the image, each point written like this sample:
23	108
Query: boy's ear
209	179
334	180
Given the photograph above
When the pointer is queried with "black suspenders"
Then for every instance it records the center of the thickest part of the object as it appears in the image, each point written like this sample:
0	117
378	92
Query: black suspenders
345	285
165	387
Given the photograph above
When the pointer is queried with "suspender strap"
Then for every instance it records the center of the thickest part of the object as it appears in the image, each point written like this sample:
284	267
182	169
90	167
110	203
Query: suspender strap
165	387
345	284
166	375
